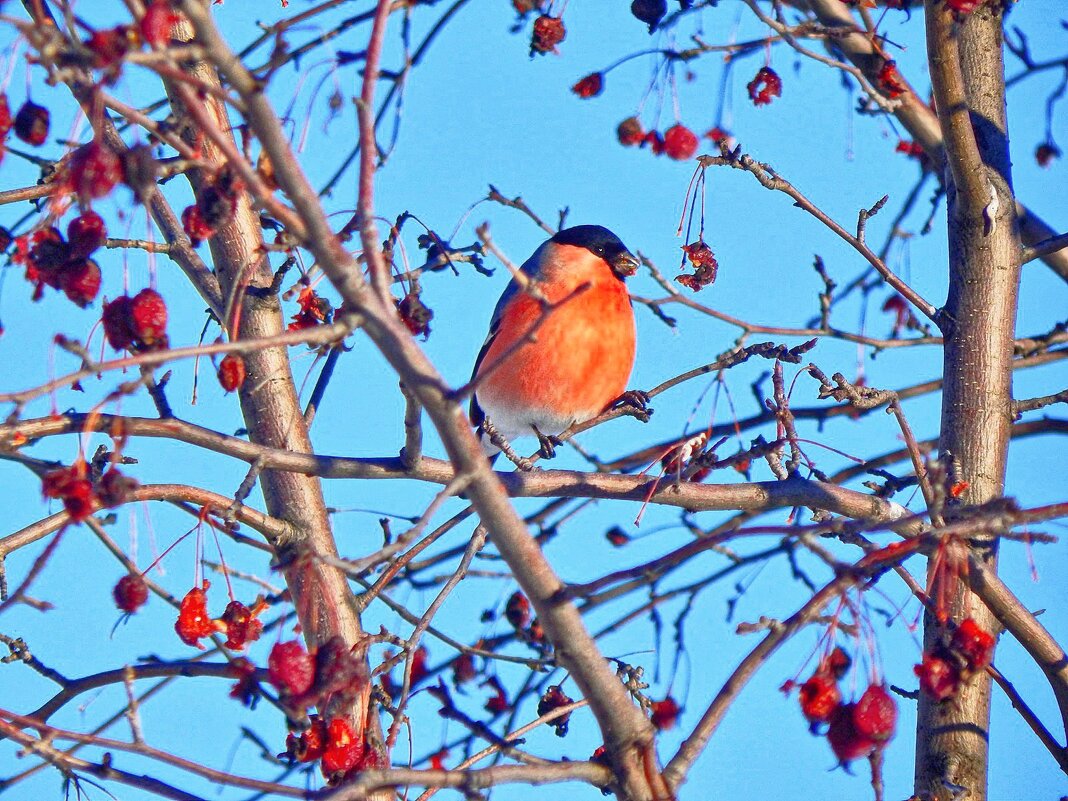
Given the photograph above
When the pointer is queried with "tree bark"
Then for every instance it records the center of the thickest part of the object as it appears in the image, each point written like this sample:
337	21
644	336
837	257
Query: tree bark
979	320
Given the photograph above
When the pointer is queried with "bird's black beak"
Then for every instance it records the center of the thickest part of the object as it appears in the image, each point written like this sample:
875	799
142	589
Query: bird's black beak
625	264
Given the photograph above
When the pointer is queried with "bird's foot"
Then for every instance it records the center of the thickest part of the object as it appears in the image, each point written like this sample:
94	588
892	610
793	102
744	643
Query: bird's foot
497	438
548	444
635	402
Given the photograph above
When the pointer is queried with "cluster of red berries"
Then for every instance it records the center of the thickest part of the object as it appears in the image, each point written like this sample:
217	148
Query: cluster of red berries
677	142
81	495
547	33
239	623
969	650
51	260
137	323
855	730
339	747
765	87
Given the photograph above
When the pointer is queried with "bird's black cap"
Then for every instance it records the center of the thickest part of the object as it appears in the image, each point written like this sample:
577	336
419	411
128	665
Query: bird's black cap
599	240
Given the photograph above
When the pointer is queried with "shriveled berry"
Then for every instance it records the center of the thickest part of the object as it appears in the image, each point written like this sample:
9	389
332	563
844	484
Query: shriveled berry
241	624
32	123
547	34
290	668
86	233
846	741
664	714
73	487
344	748
819	697
890	80
1045	153
231	372
195	226
308	746
554	698
194	622
415	314
680	143
649	11
116	321
114	487
130	593
589	86
974	644
875	714
463	669
517	610
939	677
630	132
766	86
80	281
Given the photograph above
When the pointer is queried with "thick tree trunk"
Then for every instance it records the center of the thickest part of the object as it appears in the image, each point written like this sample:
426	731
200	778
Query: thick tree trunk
979	322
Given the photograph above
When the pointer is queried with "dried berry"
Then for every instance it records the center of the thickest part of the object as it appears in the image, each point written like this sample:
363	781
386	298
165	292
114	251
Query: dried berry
914	150
617	536
130	593
846	741
974	644
231	372
195	226
517	610
80	281
420	670
890	80
86	233
114	487
819	697
719	136
655	140
290	668
875	714
241	624
705	266
463	669
194	622
73	487
664	714
498	702
554	698
314	310
837	663
148	318
590	86
116	321
680	143
547	34
344	748
1046	153
308	746
939	676
109	46
649	11
415	314
766	86
32	123
630	132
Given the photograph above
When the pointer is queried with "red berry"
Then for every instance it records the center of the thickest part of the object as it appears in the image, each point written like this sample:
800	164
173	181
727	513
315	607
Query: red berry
846	741
32	123
231	372
630	132
548	33
309	745
115	487
463	669
73	487
655	140
196	227
109	46
590	86
241	624
664	714
148	317
290	668
718	136
890	80
875	714
939	677
1046	153
498	702
766	86
131	593
680	143
837	663
554	698
819	697
914	150
617	536
415	314
963	6
517	610
95	169
419	667
116	320
157	22
973	643
5	116
344	748
194	622
315	310
86	233
80	281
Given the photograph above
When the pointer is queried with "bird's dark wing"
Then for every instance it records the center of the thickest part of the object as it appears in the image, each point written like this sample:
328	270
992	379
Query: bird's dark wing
530	267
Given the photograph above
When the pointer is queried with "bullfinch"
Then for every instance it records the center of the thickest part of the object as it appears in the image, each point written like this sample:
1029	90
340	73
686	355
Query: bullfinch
562	358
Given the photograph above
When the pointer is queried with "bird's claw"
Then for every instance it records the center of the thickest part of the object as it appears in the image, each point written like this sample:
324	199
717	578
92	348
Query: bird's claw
548	444
635	402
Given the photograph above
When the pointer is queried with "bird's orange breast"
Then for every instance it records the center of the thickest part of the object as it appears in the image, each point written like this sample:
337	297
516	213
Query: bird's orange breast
577	357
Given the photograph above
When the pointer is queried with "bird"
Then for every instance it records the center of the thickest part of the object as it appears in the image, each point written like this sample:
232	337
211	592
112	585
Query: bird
561	342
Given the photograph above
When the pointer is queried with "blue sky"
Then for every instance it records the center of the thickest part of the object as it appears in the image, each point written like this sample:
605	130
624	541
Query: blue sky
480	111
